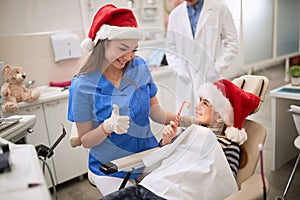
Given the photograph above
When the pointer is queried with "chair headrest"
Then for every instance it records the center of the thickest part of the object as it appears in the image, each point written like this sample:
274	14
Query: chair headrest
255	84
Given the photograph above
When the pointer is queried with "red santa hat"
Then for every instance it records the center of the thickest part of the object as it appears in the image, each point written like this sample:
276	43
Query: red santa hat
111	23
232	103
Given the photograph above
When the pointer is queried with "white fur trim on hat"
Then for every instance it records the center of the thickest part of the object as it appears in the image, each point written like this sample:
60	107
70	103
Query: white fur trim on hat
87	44
220	103
111	33
236	135
118	33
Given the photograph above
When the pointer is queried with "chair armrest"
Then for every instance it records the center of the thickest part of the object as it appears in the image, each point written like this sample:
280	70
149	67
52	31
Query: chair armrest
252	188
74	139
127	163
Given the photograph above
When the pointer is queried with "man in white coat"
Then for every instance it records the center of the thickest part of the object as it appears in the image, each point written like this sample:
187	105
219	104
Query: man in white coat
202	40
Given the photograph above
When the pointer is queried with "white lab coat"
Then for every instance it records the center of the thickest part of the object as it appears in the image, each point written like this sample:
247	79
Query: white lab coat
194	166
200	59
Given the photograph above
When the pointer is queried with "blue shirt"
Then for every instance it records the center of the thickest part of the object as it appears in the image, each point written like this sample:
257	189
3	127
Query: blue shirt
91	99
194	13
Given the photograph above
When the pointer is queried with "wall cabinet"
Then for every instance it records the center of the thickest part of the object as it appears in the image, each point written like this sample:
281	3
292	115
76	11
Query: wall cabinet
67	162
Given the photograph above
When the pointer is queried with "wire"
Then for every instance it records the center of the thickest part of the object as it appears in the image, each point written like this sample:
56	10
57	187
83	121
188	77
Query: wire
44	164
260	146
50	152
51	177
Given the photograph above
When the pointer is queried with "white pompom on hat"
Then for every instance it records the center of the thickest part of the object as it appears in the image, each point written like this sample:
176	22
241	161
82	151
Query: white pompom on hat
112	23
232	103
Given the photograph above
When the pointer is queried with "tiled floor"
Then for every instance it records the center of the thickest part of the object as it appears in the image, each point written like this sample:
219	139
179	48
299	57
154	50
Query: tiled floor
77	189
81	189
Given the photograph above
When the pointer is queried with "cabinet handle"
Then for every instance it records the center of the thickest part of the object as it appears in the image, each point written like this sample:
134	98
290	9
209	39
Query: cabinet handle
30	109
53	103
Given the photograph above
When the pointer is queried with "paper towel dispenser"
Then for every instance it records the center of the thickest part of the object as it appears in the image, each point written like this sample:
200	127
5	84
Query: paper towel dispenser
65	46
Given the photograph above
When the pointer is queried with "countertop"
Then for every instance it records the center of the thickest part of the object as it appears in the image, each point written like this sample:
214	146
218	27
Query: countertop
57	93
286	92
60	94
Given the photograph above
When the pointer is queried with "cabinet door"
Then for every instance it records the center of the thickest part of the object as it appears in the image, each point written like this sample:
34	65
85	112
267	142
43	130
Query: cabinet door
39	134
69	162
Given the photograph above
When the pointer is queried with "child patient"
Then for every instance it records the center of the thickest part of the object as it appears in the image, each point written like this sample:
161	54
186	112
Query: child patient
201	162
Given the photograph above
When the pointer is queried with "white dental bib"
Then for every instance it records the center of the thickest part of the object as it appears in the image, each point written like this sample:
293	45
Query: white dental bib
192	167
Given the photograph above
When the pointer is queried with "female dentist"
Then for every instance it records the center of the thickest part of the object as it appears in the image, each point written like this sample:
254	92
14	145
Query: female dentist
113	96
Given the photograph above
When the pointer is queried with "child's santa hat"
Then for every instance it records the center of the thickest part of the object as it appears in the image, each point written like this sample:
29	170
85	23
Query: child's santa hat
232	103
111	23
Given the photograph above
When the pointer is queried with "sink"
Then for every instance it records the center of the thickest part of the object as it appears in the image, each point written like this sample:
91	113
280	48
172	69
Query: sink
47	90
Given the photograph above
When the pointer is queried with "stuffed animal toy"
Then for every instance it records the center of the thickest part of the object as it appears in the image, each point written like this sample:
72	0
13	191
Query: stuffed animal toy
13	89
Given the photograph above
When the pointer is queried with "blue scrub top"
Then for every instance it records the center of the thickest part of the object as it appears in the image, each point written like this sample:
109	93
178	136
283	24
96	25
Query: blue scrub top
91	98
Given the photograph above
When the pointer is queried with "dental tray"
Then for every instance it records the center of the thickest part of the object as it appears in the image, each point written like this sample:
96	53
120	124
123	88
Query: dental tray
7	122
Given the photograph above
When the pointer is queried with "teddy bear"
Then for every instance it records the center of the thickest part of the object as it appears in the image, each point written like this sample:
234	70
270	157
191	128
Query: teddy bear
13	89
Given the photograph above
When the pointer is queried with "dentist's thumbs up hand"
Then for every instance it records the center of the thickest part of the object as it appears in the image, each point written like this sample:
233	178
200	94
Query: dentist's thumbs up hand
116	123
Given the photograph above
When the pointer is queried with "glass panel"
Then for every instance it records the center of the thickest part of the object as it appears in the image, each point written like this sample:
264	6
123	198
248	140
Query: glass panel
257	22
288	27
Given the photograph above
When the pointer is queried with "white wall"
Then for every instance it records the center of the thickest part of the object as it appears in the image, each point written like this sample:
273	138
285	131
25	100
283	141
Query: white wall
35	16
26	26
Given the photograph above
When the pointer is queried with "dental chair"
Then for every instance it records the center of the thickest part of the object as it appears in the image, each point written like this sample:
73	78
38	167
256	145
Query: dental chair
295	110
249	183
